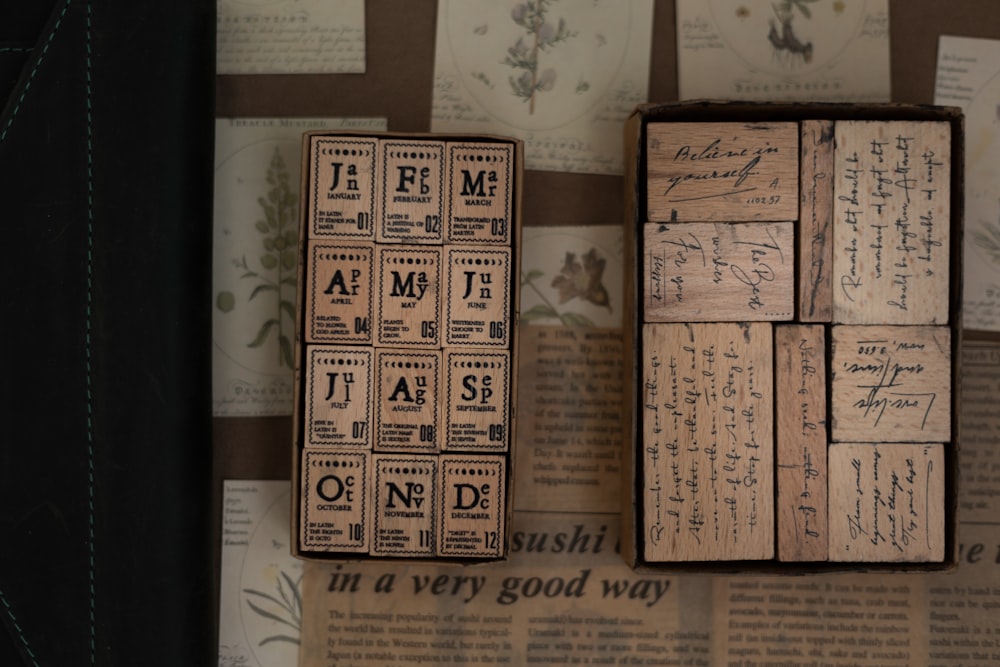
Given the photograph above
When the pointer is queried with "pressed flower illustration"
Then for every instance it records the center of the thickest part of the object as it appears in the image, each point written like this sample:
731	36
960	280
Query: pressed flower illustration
786	44
285	608
542	35
274	272
579	278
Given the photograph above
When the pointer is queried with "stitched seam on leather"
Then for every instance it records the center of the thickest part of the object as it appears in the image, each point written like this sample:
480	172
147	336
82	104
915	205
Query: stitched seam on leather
90	299
34	70
17	628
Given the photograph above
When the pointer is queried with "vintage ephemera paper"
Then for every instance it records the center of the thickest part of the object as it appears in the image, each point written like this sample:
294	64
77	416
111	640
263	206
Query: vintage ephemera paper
793	50
260	603
968	76
257	164
290	36
561	75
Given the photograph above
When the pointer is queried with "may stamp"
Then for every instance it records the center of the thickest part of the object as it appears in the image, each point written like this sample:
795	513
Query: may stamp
339	292
334	501
409	296
405	505
339	403
477	296
408	406
412	192
343	187
477	386
480	201
473	506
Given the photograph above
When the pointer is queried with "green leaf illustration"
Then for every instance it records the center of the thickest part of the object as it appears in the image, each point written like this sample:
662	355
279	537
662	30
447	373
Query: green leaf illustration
538	312
265	329
576	320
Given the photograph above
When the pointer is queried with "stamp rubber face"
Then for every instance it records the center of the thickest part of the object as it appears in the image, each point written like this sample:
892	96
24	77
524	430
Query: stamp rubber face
342	193
339	304
334	500
477	400
405	508
408	406
477	296
412	192
409	297
480	195
473	520
339	399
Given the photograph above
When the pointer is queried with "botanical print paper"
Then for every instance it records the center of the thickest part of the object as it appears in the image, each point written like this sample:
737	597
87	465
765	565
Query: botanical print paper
968	77
257	163
790	50
290	36
562	75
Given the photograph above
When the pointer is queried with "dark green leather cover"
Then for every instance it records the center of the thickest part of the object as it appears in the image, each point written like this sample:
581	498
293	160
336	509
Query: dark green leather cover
106	139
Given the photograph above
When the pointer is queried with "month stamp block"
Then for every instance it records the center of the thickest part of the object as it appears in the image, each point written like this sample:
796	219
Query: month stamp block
334	501
477	400
412	192
408	405
405	508
890	384
699	172
477	296
408	296
342	191
801	440
891	225
708	442
473	505
339	396
480	196
815	243
718	272
339	304
889	503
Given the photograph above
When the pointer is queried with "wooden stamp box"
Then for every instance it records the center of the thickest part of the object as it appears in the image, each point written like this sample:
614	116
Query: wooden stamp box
794	277
405	349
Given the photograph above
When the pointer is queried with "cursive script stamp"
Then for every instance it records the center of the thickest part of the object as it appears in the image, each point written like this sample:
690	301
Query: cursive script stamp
890	384
892	182
718	272
722	171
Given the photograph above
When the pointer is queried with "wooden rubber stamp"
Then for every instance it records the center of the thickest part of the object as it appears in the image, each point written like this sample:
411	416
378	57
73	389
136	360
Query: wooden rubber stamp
477	400
343	197
339	396
338	292
718	272
477	296
888	503
801	440
891	222
479	199
412	192
890	384
708	443
815	244
473	505
722	172
408	406
408	296
334	501
405	507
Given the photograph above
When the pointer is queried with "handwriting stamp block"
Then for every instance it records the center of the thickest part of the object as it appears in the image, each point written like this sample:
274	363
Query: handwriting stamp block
412	192
708	442
408	406
479	198
405	507
722	171
887	502
339	396
712	272
477	296
343	187
477	401
408	296
334	501
816	221
339	278
891	222
890	384
800	416
473	505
